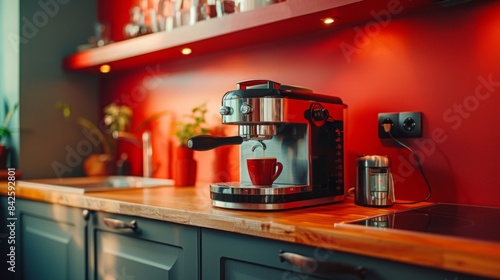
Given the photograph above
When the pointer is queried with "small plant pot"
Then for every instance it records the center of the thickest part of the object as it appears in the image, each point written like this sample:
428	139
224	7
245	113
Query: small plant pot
185	167
99	165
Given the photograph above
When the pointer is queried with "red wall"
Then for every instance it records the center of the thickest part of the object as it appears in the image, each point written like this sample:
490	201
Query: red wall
115	15
437	62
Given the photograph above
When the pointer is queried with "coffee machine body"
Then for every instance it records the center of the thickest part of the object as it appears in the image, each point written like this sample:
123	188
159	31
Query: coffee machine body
303	130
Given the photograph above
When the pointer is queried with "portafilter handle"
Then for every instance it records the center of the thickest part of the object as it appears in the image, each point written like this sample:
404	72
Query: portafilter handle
208	142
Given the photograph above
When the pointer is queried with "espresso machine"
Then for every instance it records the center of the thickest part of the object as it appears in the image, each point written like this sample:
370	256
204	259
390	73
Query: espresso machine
302	130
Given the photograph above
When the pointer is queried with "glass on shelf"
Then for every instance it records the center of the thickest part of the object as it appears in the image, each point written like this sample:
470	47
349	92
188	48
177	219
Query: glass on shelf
165	15
137	26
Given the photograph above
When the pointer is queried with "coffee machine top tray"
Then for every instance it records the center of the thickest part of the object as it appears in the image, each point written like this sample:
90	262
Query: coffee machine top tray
267	88
245	196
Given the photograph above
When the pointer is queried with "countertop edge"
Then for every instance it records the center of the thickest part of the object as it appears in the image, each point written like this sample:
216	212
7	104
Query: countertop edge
455	254
254	227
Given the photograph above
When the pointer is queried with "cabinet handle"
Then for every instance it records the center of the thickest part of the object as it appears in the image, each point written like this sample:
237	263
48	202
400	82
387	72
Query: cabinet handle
321	268
118	224
86	214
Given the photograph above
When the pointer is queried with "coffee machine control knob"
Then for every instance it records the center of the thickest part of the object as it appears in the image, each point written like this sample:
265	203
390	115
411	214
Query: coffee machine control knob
225	110
320	114
246	108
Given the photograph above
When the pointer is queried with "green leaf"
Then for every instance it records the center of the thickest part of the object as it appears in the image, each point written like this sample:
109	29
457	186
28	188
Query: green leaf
4	132
193	125
9	115
92	128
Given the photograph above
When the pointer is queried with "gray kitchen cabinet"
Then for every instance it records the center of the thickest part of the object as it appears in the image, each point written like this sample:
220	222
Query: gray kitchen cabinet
50	241
124	247
60	243
231	256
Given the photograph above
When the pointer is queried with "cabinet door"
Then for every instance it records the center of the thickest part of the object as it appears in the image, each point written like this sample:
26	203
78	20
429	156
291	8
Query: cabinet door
232	256
51	241
126	247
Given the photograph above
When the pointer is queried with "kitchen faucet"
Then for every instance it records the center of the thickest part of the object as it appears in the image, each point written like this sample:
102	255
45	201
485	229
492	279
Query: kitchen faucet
147	149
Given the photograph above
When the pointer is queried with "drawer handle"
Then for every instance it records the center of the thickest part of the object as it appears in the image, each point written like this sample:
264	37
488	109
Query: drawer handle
321	268
86	215
118	224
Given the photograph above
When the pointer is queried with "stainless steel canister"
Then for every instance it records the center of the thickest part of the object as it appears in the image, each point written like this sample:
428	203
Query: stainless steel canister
374	184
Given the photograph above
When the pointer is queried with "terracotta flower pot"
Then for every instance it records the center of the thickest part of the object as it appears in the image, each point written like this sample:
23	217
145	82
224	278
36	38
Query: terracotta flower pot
99	165
184	167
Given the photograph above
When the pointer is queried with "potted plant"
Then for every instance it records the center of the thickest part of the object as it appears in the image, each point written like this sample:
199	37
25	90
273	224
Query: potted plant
116	118
4	134
185	167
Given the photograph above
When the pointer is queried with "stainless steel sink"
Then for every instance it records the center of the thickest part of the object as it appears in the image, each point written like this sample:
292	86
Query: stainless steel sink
96	184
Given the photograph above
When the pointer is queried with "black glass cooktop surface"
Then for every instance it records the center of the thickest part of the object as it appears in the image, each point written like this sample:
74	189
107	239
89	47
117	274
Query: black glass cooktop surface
457	220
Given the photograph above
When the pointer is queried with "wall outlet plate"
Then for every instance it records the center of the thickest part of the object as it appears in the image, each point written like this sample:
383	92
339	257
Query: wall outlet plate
388	117
410	124
404	124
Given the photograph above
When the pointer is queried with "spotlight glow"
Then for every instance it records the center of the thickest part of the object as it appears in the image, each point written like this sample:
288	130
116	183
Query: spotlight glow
186	51
105	68
328	20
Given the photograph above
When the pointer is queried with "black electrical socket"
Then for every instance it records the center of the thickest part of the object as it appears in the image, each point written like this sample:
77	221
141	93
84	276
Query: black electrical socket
410	124
390	118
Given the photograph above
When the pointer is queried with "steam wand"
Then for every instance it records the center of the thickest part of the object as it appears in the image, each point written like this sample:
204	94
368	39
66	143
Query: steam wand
208	142
259	144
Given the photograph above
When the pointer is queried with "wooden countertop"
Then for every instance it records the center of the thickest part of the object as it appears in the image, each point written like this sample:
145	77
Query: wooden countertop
314	226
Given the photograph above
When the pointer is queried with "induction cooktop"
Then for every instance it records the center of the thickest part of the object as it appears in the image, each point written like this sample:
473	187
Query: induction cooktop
467	221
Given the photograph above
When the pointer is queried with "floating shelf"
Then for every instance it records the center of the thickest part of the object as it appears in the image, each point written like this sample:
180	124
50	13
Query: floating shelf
266	24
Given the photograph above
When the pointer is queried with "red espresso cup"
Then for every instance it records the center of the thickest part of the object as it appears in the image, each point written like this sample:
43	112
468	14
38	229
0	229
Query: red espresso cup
263	171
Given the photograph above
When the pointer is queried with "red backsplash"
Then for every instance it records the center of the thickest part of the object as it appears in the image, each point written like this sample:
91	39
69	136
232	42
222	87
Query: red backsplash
443	63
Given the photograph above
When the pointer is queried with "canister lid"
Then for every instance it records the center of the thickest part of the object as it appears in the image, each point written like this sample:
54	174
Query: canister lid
373	161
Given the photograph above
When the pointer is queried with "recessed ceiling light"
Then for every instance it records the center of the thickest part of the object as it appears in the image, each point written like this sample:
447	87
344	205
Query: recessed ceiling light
328	20
186	51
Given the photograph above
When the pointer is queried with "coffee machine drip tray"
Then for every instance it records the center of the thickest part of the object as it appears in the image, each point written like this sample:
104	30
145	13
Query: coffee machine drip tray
237	195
